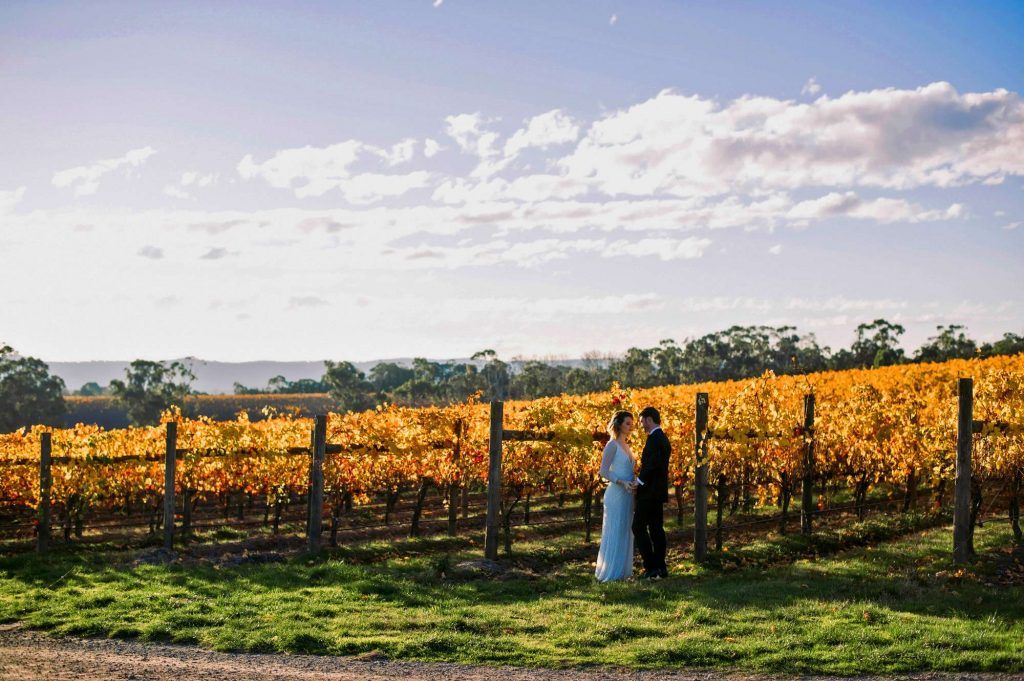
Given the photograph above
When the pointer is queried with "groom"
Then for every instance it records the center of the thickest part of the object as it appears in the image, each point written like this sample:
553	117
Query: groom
651	495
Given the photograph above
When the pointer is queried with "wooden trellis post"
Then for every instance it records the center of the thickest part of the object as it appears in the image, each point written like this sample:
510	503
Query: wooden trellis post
170	460
494	481
700	481
316	482
45	484
807	502
962	544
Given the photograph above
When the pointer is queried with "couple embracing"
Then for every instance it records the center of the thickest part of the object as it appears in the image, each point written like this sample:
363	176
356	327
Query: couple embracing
634	504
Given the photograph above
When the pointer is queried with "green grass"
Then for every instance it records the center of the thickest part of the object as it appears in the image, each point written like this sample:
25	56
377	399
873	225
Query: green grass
897	606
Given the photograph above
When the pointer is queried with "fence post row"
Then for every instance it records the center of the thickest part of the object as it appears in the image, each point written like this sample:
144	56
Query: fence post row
45	484
962	544
170	457
316	481
807	501
700	481
494	481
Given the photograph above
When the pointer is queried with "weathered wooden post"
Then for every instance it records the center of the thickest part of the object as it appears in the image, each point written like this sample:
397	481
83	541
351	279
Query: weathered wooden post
170	460
309	479
316	482
45	484
807	502
700	482
453	489
962	544
494	481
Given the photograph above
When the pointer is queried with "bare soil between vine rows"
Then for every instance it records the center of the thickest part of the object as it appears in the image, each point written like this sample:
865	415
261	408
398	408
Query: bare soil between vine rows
32	656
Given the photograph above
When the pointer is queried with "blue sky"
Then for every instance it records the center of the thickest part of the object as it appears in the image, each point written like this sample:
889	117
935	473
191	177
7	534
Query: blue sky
243	181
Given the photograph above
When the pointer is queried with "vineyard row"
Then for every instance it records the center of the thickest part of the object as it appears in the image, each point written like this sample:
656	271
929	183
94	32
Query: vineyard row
768	438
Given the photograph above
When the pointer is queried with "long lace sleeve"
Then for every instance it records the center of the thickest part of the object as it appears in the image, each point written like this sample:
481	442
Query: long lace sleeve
606	462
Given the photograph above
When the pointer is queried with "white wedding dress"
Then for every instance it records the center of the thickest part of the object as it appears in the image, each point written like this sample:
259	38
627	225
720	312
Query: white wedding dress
615	557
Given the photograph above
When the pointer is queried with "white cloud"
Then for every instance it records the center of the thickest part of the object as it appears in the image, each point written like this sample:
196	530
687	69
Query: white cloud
521	309
539	251
1013	225
843	304
282	253
897	139
687	162
557	305
399	153
882	210
544	200
548	129
614	19
175	192
886	210
314	171
380	238
811	87
308	171
85	179
529	188
472	137
372	187
9	199
829	205
431	147
467	131
550	308
190	179
195	178
723	303
662	248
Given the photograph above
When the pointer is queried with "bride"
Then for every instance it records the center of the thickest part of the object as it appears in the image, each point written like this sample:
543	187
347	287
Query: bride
615	557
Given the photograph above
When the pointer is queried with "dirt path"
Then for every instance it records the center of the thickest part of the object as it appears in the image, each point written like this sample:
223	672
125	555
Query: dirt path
32	656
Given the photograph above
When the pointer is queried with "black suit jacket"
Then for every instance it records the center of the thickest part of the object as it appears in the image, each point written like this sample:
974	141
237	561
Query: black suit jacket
654	467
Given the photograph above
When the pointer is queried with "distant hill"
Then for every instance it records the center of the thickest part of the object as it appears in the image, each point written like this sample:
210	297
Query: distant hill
218	378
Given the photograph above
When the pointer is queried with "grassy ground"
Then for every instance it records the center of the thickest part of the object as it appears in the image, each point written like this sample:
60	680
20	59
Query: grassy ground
897	606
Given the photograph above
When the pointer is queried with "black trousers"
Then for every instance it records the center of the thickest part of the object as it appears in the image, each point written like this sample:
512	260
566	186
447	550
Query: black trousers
649	533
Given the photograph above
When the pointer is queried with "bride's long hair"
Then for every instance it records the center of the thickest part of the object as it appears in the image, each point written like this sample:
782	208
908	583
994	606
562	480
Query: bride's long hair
615	425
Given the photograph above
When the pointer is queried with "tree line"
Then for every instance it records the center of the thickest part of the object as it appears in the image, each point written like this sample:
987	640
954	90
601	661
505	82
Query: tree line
30	395
735	353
